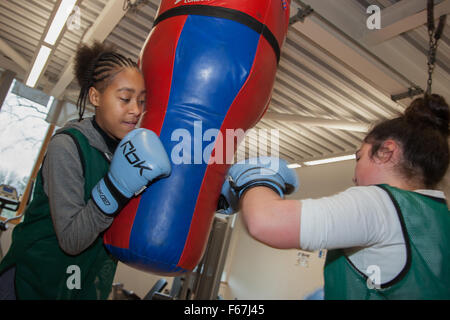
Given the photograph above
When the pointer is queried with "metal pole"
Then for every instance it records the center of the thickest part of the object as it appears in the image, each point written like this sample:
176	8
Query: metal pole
6	80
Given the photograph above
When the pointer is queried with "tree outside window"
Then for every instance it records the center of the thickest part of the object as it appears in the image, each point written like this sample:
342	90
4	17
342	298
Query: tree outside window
23	128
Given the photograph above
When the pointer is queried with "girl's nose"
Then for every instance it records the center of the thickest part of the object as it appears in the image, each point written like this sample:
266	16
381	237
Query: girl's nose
135	107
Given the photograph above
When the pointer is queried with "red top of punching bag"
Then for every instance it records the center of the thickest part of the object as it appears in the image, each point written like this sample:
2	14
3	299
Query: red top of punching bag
267	12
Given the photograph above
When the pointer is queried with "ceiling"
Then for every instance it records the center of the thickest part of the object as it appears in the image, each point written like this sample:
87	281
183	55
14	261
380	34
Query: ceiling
335	78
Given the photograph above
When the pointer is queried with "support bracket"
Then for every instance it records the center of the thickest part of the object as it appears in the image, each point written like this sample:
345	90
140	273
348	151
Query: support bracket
301	15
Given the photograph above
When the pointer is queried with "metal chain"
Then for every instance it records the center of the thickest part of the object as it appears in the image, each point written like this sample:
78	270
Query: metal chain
431	60
434	35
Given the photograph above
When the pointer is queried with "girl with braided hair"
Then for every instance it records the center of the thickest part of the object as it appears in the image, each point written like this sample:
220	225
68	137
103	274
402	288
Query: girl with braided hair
57	252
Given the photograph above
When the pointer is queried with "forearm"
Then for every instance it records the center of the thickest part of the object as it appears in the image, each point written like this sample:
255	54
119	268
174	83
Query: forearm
77	224
77	228
271	219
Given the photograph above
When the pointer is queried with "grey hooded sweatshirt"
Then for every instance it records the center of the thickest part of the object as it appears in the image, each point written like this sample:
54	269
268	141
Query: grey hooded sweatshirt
76	223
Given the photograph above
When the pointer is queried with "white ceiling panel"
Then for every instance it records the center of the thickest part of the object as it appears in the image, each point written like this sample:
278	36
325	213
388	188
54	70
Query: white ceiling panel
326	70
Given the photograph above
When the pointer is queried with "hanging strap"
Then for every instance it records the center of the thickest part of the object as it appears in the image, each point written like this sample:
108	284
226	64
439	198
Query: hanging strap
434	35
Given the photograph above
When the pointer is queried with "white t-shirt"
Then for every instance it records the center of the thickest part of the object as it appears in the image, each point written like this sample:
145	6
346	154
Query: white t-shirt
364	222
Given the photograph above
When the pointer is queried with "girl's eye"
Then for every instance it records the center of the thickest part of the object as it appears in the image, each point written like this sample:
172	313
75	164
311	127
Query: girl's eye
125	100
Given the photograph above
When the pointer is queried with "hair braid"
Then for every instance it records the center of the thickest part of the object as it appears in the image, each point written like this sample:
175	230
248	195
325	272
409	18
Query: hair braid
102	64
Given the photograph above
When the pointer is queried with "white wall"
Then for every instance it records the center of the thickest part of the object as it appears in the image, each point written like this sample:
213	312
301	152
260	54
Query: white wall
445	183
445	186
256	271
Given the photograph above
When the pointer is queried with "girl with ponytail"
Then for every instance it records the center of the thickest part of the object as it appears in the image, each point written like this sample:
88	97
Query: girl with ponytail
388	237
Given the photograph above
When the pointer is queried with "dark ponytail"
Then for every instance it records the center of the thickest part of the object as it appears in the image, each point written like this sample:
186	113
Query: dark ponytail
431	111
95	66
422	131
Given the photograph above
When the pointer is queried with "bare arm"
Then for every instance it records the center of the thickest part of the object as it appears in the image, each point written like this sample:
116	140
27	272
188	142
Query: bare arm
271	219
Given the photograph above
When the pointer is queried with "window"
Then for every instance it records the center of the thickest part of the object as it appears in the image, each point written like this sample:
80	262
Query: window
23	129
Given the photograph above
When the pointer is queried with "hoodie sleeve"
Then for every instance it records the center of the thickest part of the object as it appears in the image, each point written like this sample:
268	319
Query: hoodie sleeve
76	223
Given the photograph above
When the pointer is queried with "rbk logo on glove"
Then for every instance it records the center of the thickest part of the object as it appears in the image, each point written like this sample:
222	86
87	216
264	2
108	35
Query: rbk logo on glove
102	195
132	157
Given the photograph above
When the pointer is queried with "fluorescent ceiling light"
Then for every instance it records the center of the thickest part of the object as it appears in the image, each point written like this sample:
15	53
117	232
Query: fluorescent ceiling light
64	10
39	63
329	160
294	166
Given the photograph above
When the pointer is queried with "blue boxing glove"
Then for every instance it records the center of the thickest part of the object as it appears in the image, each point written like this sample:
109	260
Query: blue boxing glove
139	159
268	172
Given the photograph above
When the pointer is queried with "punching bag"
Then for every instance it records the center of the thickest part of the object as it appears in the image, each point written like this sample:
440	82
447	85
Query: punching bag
209	67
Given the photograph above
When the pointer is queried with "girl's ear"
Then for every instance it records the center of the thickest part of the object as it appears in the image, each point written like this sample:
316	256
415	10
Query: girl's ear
94	96
388	151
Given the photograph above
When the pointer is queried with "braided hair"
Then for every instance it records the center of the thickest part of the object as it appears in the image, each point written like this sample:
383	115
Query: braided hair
96	66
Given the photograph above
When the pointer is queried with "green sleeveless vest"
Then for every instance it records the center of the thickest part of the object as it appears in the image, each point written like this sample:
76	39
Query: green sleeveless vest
43	270
425	224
